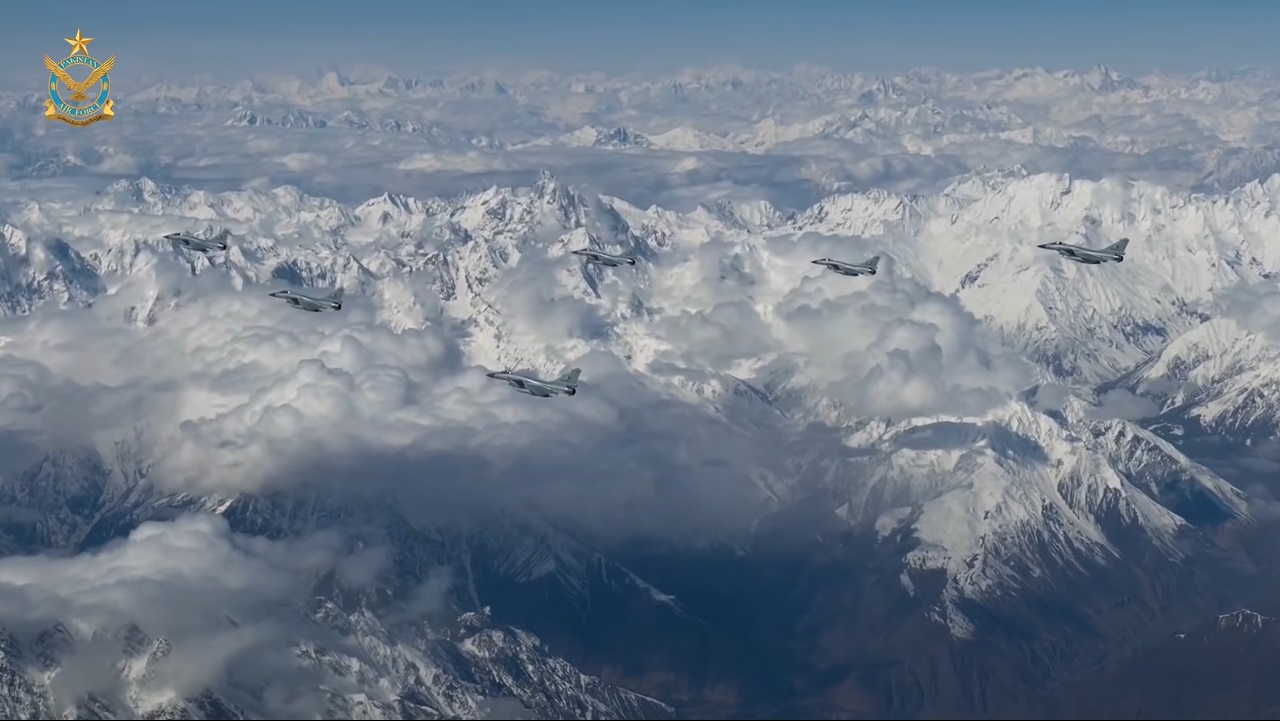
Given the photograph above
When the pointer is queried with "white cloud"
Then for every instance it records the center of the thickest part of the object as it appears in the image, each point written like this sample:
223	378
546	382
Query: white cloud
882	345
240	393
1264	503
1124	405
1255	306
899	349
246	388
214	595
301	161
164	576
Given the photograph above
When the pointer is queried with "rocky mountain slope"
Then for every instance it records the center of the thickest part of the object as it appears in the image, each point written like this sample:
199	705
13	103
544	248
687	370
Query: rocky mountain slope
1213	670
377	639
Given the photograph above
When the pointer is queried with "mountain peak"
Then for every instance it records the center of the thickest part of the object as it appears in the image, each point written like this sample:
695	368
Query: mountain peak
545	183
621	137
144	189
1244	620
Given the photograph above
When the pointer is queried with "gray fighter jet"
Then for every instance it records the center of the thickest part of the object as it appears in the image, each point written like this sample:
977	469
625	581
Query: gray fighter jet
854	269
201	245
609	259
301	301
566	384
1113	252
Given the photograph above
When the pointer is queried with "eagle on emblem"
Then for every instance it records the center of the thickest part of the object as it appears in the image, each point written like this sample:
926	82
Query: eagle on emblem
78	88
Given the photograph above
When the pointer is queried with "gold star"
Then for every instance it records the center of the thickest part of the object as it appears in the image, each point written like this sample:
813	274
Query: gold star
79	44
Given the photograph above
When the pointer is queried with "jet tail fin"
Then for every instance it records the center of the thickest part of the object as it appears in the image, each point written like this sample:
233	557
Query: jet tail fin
223	235
570	378
875	261
1119	246
336	295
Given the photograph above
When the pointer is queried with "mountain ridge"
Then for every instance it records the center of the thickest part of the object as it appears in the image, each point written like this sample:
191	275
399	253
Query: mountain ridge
976	485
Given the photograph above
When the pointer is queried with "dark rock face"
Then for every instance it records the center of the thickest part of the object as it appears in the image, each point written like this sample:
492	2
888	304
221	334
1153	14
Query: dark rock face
808	620
818	624
1219	668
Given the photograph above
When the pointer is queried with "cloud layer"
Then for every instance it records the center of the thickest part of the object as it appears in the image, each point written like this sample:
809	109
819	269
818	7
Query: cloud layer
226	603
238	392
1256	307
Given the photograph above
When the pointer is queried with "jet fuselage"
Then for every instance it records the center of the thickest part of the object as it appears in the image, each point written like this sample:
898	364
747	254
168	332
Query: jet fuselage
1088	256
308	303
201	245
843	268
534	386
606	259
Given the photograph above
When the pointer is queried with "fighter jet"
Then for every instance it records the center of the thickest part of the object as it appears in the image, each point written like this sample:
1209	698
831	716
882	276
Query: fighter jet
201	245
609	259
854	269
301	301
1113	252
566	384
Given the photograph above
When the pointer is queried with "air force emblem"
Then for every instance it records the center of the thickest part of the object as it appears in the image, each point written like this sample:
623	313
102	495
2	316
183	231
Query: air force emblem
79	108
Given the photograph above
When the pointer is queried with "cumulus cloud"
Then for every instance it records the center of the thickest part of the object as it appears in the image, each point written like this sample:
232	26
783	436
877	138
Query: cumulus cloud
1050	397
1124	405
238	392
895	347
886	345
1255	306
1263	503
1118	403
244	383
223	601
301	161
117	163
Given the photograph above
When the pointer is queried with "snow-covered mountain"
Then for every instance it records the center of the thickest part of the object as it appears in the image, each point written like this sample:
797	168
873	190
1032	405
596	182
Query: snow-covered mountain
371	637
483	267
922	108
991	453
790	138
473	670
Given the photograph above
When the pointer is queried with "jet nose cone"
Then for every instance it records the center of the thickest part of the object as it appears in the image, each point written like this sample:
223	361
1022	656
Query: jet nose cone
816	262
494	374
1044	245
277	294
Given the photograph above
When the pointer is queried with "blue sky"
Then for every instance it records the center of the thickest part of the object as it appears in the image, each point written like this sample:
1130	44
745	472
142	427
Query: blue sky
421	37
